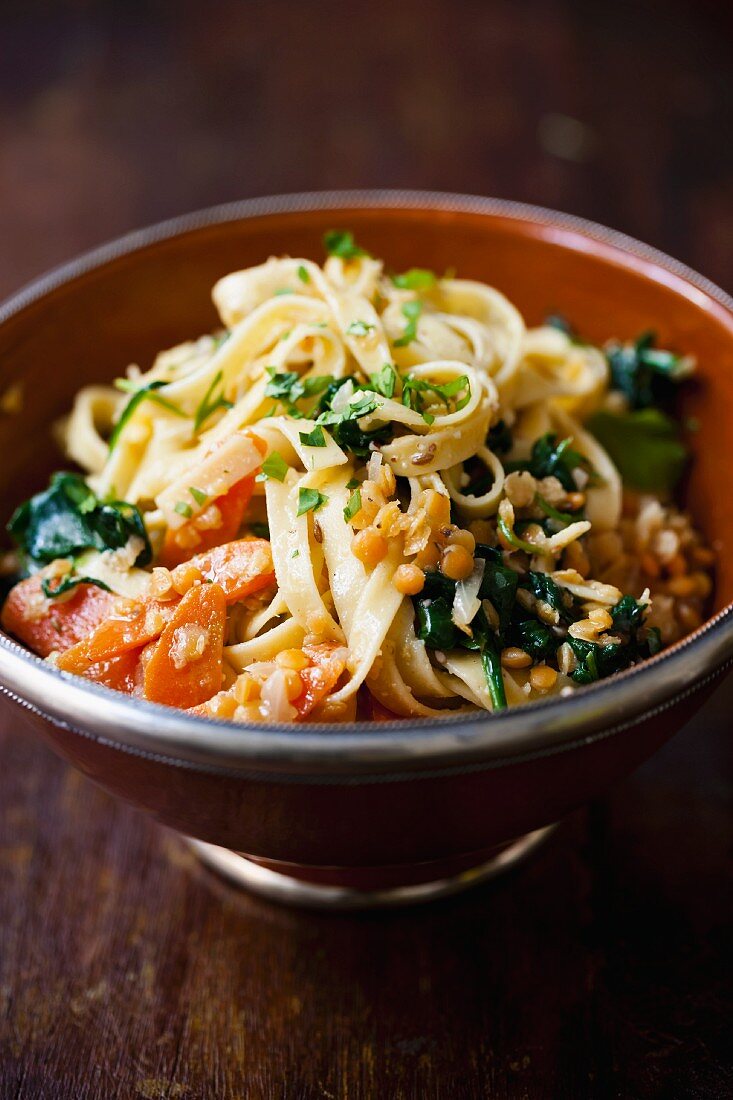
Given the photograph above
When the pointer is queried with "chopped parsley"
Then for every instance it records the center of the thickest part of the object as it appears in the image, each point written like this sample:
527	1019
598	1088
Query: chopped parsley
411	312
413	389
341	243
385	380
417	278
316	438
303	273
359	328
183	509
198	495
310	500
353	506
274	466
287	387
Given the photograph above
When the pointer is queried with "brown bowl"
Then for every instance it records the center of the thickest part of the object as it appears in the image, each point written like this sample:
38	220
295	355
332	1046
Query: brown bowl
401	807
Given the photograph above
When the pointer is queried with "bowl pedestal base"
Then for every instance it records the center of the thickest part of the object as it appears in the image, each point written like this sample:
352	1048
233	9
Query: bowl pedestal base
368	888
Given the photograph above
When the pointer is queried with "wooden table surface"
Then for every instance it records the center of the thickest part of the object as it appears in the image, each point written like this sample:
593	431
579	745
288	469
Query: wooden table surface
597	970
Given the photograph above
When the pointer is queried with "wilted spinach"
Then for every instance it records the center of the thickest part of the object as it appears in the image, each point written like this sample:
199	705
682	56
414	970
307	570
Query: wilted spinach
67	518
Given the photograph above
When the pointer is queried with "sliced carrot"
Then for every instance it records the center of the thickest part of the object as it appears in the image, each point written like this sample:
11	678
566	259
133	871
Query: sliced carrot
120	673
181	544
380	713
241	568
320	678
118	634
185	668
53	624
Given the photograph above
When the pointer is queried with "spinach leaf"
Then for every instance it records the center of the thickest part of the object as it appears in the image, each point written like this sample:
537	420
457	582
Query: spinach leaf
644	445
643	373
553	458
144	393
561	323
595	661
499	440
499	584
65	584
211	402
628	615
545	589
435	626
67	518
534	638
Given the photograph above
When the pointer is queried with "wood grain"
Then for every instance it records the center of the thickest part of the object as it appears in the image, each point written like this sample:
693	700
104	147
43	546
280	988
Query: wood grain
598	970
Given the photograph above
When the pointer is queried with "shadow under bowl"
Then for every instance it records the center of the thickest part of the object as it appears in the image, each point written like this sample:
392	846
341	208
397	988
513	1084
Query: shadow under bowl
363	811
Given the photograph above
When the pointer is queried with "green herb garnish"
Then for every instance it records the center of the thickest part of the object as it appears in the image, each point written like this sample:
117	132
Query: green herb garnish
340	242
316	438
385	380
183	509
411	312
417	278
359	328
414	388
274	466
198	495
353	506
310	500
303	273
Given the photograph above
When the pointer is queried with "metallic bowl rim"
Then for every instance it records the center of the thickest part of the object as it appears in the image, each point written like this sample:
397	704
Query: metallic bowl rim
481	740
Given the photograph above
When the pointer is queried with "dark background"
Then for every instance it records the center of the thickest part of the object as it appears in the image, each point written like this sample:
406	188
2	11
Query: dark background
602	968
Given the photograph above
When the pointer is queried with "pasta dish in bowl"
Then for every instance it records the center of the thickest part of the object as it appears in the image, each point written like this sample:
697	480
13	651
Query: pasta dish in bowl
372	582
369	494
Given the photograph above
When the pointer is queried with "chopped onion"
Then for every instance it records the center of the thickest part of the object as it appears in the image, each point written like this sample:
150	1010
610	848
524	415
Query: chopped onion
373	465
275	697
466	603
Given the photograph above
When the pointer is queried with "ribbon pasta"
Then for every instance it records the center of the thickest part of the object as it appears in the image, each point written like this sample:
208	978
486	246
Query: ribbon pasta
386	430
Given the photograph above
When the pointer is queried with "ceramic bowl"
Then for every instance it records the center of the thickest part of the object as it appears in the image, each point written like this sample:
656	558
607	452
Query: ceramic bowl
395	811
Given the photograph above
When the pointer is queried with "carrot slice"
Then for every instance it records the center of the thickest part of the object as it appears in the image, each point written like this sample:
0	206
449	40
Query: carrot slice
120	673
185	667
118	634
380	713
232	505
241	568
320	678
54	624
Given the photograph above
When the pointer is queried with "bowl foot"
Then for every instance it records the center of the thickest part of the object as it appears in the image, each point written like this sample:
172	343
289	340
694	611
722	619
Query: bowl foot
295	888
